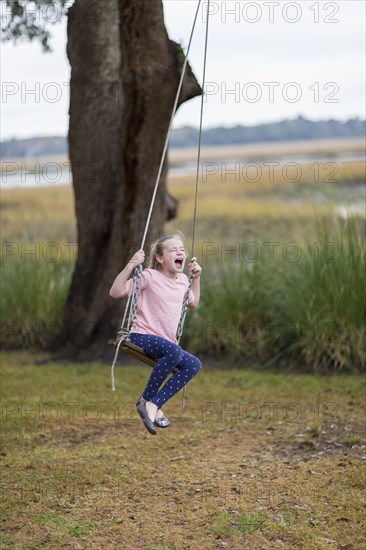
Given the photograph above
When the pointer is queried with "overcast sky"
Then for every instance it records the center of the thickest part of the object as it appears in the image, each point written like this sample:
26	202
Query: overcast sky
266	61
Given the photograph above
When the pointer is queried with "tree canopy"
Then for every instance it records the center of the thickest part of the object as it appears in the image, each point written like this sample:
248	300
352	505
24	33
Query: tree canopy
29	19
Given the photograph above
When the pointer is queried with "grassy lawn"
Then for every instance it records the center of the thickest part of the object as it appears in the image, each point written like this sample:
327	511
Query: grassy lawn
257	459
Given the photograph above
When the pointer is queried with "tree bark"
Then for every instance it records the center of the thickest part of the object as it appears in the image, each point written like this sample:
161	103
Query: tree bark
124	77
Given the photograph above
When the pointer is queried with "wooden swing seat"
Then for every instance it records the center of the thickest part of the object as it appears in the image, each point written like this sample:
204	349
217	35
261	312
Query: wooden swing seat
137	353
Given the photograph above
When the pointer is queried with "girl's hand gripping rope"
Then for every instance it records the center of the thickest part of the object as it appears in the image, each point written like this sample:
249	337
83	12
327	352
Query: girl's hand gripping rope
194	268
138	258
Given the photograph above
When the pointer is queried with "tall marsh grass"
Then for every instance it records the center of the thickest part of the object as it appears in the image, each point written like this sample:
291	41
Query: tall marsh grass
310	312
32	299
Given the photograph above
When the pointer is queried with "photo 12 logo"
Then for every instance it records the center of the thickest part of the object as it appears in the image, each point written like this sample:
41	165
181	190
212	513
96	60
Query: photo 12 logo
269	172
272	92
235	412
269	251
270	12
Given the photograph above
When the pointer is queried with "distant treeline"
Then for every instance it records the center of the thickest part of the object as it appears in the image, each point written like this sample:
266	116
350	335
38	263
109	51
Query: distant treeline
34	147
284	130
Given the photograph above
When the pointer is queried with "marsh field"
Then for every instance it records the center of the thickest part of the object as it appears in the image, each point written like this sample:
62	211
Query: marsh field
270	450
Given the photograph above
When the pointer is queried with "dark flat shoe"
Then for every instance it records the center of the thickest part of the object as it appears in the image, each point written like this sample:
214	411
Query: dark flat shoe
148	423
162	422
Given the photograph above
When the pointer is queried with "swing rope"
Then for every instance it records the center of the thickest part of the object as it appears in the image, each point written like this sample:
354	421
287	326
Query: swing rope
200	129
186	298
131	306
170	127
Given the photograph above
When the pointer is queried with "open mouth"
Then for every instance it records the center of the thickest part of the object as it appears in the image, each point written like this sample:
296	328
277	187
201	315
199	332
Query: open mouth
179	262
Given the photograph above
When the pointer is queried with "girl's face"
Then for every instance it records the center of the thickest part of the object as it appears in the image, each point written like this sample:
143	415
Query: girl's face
174	256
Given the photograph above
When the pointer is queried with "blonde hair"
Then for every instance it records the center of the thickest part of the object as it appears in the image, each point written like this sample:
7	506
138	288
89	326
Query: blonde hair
157	248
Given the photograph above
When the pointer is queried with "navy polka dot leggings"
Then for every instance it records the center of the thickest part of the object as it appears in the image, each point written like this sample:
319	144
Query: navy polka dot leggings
168	355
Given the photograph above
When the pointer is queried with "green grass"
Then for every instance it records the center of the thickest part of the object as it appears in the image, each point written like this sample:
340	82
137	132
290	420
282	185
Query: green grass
72	527
79	469
230	524
308	312
351	441
32	299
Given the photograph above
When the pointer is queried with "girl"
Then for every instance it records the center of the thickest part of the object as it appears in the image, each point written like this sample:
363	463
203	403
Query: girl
162	290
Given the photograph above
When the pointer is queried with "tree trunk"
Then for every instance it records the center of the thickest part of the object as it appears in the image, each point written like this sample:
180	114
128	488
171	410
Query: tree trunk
124	77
